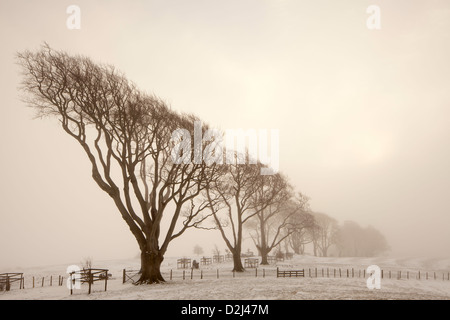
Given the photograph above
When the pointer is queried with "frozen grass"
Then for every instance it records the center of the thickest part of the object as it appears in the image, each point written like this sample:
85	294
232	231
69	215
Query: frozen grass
247	286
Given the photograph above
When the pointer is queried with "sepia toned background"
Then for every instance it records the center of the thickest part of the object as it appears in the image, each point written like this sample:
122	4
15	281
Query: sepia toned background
364	115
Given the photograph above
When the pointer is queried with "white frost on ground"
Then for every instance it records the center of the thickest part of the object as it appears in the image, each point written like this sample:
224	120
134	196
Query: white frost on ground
248	286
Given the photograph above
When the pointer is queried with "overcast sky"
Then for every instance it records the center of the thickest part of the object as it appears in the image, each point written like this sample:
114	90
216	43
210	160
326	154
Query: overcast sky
364	115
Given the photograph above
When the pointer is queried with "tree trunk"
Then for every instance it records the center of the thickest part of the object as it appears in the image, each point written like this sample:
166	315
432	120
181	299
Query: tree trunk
297	248
264	258
264	254
263	247
315	248
238	267
151	268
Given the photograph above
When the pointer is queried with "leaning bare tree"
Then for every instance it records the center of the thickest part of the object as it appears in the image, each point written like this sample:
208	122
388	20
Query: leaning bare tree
323	232
269	198
230	203
275	223
127	137
301	235
303	221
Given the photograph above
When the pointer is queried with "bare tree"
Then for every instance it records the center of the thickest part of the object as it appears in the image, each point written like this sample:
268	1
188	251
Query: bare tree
275	208
127	137
298	239
86	263
302	222
230	203
323	232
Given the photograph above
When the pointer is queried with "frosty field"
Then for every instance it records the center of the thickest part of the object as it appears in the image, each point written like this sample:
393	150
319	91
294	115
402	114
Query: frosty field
261	284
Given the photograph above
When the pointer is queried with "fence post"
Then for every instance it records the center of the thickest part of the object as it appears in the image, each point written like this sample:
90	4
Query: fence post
33	281
89	280
347	273
183	274
419	274
264	273
43	281
340	274
73	282
8	286
316	272
217	273
51	280
192	273
106	279
278	274
256	272
382	274
201	274
124	272
170	274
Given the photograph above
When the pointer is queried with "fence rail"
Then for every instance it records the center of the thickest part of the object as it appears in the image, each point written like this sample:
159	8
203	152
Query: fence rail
385	274
195	274
130	275
7	279
90	276
21	281
290	273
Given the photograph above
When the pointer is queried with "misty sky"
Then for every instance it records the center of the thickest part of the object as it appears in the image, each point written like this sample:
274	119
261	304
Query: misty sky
364	115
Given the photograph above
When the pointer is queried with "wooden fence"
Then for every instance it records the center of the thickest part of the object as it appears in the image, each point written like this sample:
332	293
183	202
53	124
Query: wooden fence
21	281
130	275
251	262
218	259
89	276
204	261
29	282
7	279
184	263
209	273
385	274
290	273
